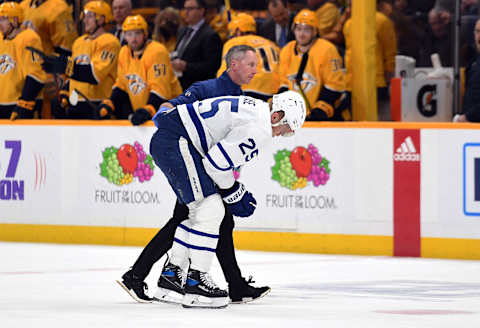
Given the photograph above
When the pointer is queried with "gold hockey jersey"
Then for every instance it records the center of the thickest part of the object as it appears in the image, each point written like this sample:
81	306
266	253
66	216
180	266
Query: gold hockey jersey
267	81
16	63
386	48
152	72
323	69
102	55
53	22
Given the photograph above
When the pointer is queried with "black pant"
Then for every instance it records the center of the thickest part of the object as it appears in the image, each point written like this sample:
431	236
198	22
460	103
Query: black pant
163	241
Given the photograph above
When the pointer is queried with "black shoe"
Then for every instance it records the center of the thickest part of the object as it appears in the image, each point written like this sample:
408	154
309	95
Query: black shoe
245	293
135	287
201	291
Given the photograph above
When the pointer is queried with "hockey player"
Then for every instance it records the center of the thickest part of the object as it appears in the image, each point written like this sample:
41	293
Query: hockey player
266	82
145	78
91	69
21	74
314	66
53	21
241	67
197	146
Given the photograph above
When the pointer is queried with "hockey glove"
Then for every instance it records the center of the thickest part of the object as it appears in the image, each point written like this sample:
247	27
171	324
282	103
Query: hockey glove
105	109
140	116
63	99
317	115
239	200
23	109
58	65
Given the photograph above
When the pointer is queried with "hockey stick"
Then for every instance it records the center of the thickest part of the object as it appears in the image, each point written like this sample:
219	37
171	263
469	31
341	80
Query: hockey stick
73	99
299	78
229	14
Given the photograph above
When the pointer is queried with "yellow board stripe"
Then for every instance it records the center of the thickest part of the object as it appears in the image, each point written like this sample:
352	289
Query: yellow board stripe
248	240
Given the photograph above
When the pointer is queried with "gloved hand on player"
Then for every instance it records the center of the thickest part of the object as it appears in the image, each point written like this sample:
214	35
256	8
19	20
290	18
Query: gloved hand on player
140	116
317	115
240	201
23	109
57	64
63	99
105	109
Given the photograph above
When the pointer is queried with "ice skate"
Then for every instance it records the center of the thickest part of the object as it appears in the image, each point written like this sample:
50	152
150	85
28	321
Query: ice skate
135	287
170	285
202	292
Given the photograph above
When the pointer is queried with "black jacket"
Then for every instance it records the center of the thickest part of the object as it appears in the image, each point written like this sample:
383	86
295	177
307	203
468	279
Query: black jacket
203	55
471	98
267	29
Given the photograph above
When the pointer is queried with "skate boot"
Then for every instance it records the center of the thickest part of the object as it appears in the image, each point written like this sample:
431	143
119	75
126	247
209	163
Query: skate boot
135	287
244	292
170	285
202	292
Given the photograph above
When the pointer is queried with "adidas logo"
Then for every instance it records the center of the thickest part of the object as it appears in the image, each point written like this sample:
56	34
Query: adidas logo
407	152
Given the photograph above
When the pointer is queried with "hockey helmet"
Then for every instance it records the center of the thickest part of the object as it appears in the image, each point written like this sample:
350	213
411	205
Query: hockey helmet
243	22
306	17
11	10
293	106
136	22
100	8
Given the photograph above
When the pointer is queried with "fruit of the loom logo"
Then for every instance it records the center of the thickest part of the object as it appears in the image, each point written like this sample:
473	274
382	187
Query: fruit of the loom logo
121	165
293	169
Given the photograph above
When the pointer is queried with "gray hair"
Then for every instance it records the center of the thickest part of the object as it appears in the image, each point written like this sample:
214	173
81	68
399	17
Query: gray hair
237	53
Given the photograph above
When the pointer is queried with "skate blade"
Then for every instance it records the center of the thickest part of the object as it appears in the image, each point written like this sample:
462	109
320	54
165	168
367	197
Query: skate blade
132	294
198	301
163	295
250	299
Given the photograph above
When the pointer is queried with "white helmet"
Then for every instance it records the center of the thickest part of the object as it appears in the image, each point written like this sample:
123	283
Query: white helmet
293	105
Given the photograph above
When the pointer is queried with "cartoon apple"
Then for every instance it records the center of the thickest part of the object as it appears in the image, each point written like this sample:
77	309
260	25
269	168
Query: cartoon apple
127	158
301	161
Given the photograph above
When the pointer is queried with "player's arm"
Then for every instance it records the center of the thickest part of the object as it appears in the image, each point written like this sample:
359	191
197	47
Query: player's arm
192	94
333	78
239	147
34	76
103	61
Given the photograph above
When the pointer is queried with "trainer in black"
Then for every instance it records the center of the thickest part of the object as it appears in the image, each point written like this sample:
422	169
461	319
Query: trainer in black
245	293
170	284
135	287
202	292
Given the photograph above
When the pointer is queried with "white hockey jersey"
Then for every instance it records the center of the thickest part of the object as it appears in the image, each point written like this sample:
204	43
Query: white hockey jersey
228	132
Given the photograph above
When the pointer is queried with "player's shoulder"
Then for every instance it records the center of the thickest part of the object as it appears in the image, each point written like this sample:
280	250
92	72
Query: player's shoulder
27	36
155	48
322	46
108	39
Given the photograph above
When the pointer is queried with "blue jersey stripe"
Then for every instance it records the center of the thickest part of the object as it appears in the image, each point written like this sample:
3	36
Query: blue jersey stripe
198	126
200	248
197	232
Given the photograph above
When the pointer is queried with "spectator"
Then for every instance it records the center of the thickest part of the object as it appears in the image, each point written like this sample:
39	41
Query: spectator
266	80
386	49
438	39
471	98
167	23
327	15
144	77
198	50
278	27
21	77
320	77
92	69
121	9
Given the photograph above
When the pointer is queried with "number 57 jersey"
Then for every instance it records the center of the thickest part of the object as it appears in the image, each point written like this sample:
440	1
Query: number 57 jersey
228	131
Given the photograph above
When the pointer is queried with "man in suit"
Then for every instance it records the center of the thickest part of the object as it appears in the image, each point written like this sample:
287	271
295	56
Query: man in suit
121	9
277	28
198	50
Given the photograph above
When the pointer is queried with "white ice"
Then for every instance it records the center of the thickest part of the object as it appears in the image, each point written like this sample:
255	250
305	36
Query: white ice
64	286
